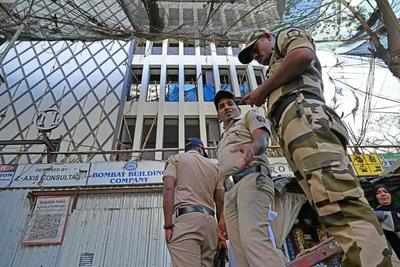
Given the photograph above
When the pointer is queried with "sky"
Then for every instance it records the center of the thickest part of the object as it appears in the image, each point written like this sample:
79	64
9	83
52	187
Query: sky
355	72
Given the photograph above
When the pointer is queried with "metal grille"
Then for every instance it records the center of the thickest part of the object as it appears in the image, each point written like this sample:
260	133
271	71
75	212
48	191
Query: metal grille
86	259
83	80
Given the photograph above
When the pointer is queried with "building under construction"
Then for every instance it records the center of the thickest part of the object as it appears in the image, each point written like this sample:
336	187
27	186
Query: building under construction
95	96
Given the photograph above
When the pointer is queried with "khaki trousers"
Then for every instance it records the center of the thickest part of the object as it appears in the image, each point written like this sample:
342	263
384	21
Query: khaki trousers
194	240
245	212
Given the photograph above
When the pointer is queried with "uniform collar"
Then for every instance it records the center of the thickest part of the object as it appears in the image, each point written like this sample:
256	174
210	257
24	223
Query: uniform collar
232	122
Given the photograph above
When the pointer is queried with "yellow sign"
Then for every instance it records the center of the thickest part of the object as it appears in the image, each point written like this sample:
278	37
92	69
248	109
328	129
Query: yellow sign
367	164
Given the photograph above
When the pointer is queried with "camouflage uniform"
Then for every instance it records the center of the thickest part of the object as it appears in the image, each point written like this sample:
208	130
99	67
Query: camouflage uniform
314	139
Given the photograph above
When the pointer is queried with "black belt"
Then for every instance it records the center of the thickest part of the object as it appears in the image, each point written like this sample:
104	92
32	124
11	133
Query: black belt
237	176
194	208
284	101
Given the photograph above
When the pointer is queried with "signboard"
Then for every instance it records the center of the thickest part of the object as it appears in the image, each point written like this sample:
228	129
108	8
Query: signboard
47	224
6	174
390	159
50	175
126	173
279	167
367	164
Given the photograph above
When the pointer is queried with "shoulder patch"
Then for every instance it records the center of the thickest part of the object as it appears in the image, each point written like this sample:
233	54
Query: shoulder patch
293	33
260	118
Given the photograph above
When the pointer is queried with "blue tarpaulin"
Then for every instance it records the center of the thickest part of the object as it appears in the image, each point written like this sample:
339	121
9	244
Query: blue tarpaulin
209	92
190	93
172	93
244	89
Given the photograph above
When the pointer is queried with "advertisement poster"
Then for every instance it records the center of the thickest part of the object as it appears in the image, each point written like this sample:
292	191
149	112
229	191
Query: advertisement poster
48	221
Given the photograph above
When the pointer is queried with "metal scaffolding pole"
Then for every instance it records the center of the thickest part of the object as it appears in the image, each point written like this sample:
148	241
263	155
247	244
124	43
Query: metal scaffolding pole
11	43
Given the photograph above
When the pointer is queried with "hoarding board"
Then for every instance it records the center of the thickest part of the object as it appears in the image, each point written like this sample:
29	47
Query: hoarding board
50	175
7	172
126	173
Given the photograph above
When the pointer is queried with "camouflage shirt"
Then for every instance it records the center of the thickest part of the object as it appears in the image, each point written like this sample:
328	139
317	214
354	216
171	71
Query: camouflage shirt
310	81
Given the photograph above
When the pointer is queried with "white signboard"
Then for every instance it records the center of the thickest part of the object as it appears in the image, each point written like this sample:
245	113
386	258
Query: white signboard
6	174
279	167
126	173
50	175
47	224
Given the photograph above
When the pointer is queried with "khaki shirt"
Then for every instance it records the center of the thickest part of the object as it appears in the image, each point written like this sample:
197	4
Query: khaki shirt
196	179
310	81
240	133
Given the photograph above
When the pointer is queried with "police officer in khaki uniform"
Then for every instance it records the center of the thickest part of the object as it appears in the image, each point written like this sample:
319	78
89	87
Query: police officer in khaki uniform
241	157
192	192
314	140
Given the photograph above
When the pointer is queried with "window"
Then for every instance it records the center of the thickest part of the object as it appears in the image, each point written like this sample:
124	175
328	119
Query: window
136	85
259	73
126	138
244	85
140	47
172	86
192	128
188	48
190	86
153	90
171	133
246	20
213	134
221	50
149	137
205	49
173	47
230	17
173	18
235	49
188	17
208	84
225	79
156	48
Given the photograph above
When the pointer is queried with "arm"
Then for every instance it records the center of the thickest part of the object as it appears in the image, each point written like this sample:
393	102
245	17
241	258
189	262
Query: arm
257	147
294	64
219	203
168	204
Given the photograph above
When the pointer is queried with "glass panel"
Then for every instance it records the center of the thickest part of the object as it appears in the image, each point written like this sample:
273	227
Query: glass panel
244	85
188	48
156	48
213	135
140	47
259	76
208	84
127	136
136	83
192	128
190	86
153	90
173	48
172	86
225	79
149	137
170	138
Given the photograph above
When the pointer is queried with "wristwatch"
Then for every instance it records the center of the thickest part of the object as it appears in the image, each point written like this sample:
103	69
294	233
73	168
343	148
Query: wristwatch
168	226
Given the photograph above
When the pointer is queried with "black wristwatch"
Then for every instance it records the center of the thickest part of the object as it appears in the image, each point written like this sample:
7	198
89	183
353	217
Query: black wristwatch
168	226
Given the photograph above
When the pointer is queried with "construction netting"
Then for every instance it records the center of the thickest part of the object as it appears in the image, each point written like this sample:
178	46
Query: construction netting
212	20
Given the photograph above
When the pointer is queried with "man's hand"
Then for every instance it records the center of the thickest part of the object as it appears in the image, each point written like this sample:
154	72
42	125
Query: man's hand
222	235
168	234
256	97
248	151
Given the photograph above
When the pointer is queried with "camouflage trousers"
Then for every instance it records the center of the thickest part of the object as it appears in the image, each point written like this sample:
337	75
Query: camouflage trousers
312	137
